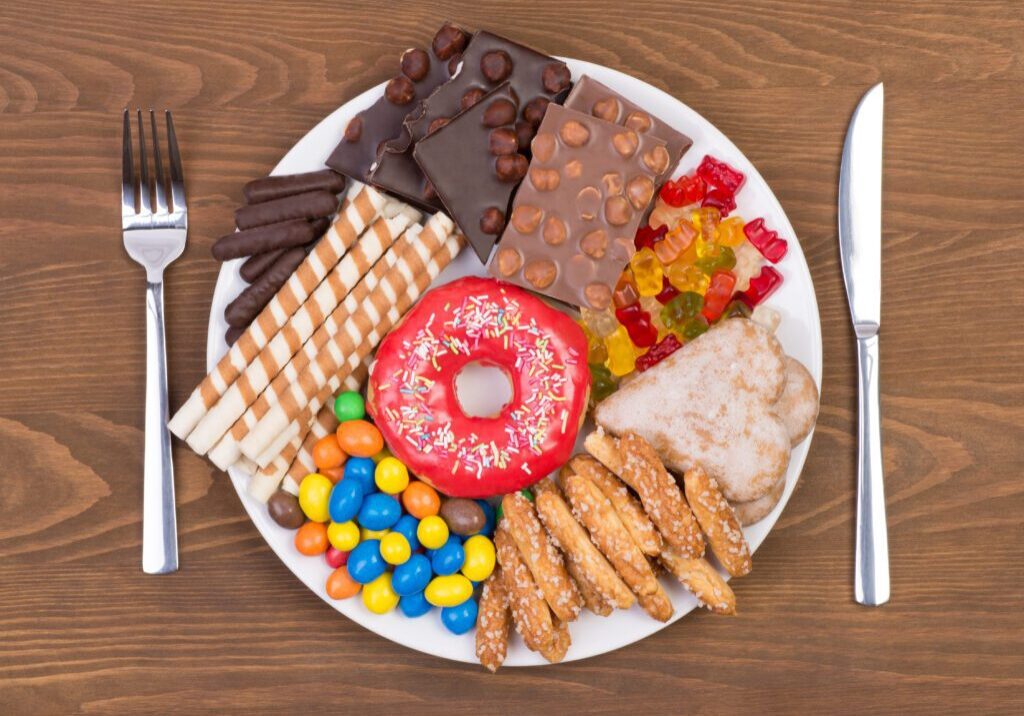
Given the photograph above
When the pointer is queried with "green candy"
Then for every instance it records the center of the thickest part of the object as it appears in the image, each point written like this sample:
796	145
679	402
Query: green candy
349	406
681	308
602	384
723	259
694	327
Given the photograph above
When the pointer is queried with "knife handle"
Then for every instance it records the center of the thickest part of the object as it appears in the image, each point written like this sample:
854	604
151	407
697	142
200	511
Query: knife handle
871	578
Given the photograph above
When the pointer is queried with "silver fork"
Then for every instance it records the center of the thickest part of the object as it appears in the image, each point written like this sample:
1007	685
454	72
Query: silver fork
154	237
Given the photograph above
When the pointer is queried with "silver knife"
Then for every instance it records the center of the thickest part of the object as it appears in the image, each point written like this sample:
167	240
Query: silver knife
860	248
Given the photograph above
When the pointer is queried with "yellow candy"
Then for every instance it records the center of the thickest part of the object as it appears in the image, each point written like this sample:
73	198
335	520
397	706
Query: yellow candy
365	534
381	455
314	495
687	277
379	596
730	232
391	475
448	591
432	532
394	548
621	353
647	272
343	535
479	562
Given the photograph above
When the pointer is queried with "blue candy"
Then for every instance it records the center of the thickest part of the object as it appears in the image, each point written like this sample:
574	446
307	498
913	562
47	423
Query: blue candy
411	576
406	526
362	469
448	558
490	519
365	563
379	511
345	501
460	619
414	605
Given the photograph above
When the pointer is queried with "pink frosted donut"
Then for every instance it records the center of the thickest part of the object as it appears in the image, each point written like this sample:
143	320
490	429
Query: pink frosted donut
412	393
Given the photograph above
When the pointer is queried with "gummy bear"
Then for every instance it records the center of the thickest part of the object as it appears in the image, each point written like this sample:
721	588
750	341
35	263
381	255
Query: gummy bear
766	241
720	199
761	286
687	277
692	188
647	272
659	352
736	309
668	291
597	352
602	383
719	174
706	220
681	309
625	290
648	237
715	258
694	327
675	242
621	356
730	232
718	294
600	323
633	313
672	194
652	310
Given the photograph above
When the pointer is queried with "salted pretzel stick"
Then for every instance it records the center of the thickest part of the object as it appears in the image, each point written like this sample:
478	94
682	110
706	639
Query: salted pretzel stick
388	302
626	506
592	509
634	460
431	236
362	205
310	316
541	557
702	579
718	520
530	612
572	539
493	622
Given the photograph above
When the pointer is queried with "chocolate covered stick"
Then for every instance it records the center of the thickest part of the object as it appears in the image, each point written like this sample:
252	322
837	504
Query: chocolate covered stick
227	450
358	337
271	237
275	187
310	205
363	206
248	304
256	265
303	323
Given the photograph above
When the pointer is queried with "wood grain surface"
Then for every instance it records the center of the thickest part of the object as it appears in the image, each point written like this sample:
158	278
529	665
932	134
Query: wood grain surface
82	630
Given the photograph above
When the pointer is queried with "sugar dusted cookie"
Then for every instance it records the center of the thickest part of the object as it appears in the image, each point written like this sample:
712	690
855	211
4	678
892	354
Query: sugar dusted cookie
756	510
798	404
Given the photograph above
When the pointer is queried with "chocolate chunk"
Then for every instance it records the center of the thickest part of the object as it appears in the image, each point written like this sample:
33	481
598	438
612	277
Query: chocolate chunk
241	312
271	237
309	205
255	266
275	187
474	184
573	221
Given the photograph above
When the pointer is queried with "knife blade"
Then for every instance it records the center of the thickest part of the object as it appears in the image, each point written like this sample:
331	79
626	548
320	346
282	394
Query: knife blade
860	251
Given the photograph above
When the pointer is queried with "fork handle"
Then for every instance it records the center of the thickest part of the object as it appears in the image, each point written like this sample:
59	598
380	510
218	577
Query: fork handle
159	524
871	577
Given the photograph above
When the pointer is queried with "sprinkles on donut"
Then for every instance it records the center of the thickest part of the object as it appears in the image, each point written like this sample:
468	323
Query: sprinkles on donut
413	399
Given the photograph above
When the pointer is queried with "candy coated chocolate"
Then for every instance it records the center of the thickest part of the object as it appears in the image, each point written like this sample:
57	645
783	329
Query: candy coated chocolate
474	164
421	72
284	510
463	516
590	96
574	217
314	204
251	301
275	187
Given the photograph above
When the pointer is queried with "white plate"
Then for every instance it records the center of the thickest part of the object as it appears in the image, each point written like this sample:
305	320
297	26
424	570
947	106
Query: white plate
800	334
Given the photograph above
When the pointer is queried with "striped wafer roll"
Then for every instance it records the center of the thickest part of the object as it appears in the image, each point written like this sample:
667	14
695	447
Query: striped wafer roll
247	465
290	339
363	205
227	451
353	343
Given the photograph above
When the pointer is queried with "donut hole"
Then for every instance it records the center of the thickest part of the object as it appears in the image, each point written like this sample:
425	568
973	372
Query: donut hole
482	389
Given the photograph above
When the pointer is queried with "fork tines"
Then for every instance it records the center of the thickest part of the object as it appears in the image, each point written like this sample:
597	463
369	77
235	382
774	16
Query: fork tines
144	197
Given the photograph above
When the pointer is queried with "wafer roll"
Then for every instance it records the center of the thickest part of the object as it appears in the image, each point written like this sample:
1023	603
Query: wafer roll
227	450
291	339
364	204
389	302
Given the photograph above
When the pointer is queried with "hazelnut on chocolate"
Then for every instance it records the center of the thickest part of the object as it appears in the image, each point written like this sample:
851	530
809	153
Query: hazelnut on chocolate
638	121
534	110
354	129
492	221
598	295
540	273
588	202
415	64
448	41
612	183
437	124
502	141
555	231
526	218
508	261
573	168
543	147
657	159
511	168
495	66
499	113
545	179
524	134
574	133
607	109
594	243
400	90
617	210
471	97
453	63
640	191
626	143
555	78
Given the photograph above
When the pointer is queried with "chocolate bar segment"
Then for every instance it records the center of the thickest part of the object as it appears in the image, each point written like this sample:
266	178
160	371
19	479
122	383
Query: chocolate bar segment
474	164
421	72
574	217
590	96
489	60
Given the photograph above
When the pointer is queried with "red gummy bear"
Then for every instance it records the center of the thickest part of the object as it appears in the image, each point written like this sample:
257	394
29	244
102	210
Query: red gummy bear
659	352
761	286
646	237
766	241
721	199
717	173
668	291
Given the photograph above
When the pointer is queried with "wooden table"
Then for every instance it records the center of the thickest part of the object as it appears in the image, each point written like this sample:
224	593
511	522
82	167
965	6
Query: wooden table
82	629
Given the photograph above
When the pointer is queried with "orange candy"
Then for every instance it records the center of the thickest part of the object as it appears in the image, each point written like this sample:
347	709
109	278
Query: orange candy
311	539
360	438
421	500
327	453
333	473
340	585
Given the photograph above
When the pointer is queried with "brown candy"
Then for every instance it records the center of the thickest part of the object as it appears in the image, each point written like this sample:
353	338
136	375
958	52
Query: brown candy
284	510
503	140
555	78
510	168
400	90
464	517
449	41
496	66
499	112
415	64
492	221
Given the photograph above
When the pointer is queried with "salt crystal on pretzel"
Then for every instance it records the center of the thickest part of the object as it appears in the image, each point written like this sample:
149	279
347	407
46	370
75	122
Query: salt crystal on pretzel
389	301
302	324
362	205
493	622
718	520
626	506
702	580
530	612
